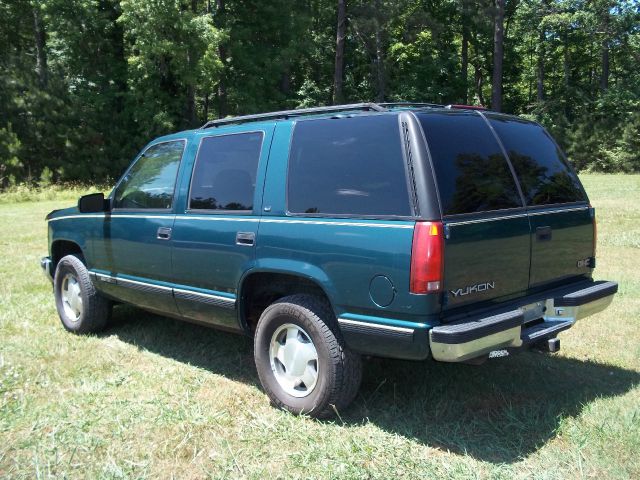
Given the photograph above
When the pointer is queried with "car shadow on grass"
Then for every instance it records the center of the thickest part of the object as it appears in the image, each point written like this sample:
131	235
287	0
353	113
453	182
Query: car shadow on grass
219	352
498	412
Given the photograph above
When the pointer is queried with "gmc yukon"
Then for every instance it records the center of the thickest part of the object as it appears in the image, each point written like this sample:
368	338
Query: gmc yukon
409	231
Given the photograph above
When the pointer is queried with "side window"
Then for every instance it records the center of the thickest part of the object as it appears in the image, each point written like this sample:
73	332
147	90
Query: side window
224	176
543	172
471	171
348	166
150	182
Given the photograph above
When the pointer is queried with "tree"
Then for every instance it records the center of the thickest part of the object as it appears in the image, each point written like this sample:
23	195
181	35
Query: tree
84	84
338	77
41	45
464	51
172	50
498	53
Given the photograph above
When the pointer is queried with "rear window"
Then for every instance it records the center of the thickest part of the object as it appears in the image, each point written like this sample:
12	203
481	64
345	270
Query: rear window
544	175
471	171
348	166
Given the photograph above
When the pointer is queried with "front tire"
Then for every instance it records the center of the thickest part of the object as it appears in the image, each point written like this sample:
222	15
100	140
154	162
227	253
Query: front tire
302	361
80	306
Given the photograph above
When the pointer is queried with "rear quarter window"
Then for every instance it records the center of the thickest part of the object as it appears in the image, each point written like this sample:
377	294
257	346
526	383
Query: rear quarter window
544	174
471	171
348	166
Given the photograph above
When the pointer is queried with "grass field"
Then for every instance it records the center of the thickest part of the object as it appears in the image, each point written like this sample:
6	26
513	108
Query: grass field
153	397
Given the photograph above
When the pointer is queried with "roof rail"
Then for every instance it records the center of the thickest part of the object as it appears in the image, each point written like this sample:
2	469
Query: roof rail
466	107
410	104
294	113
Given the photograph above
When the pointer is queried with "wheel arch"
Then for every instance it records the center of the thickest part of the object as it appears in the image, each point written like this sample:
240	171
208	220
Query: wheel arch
62	247
260	287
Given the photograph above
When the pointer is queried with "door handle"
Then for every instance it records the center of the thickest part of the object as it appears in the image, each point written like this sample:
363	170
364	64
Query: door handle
543	233
164	233
246	239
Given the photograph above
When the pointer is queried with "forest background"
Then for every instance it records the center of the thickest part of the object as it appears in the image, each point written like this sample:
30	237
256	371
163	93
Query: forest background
84	84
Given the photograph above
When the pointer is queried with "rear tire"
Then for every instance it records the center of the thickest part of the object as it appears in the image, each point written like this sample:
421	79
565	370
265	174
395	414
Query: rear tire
80	306
302	361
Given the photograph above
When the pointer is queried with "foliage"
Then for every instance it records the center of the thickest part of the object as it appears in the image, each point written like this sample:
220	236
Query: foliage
9	148
68	193
84	84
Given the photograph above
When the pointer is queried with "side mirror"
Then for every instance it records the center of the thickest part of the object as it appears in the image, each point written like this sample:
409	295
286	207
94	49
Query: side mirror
93	203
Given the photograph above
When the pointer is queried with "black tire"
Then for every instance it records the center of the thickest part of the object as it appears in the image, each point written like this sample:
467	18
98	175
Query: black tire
339	369
96	309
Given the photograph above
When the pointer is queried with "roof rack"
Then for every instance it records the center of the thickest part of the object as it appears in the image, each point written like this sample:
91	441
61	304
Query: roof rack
466	107
294	113
410	104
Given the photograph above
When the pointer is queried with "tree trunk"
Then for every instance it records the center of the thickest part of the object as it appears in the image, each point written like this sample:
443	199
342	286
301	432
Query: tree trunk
479	81
338	74
540	69
465	57
379	61
41	44
190	108
498	53
565	61
190	114
604	77
566	74
221	92
285	81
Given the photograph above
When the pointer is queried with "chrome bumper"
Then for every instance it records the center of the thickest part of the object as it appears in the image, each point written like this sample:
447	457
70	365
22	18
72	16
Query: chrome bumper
46	265
530	324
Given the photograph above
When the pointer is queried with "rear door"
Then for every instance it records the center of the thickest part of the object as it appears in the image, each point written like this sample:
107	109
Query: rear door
214	240
487	240
561	220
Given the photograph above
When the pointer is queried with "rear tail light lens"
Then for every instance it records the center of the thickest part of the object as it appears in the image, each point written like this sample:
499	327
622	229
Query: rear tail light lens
427	258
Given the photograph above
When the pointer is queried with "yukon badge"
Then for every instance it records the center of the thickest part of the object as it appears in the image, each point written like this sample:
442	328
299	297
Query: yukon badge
477	288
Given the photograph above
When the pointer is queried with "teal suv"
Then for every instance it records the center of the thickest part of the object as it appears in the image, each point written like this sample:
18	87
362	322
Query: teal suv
408	231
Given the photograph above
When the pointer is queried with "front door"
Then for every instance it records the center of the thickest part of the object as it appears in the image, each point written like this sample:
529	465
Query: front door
214	239
138	231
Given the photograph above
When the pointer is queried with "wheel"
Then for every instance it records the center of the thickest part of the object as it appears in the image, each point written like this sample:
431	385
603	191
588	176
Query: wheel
302	361
80	306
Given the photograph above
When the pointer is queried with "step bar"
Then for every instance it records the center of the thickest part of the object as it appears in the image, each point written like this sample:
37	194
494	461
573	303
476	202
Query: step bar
526	325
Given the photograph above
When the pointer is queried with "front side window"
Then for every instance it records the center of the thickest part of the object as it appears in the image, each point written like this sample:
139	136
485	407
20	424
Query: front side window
150	182
471	171
348	166
224	176
544	175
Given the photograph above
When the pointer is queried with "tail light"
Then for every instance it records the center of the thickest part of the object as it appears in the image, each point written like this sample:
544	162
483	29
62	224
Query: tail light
427	258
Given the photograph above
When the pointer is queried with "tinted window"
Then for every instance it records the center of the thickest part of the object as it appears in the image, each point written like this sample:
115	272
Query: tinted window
348	166
472	173
224	177
150	182
543	172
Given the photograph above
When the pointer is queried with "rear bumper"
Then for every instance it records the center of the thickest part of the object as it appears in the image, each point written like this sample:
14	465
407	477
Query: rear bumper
46	265
530	324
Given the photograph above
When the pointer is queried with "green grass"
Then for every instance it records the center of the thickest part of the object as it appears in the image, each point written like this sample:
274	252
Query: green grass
153	397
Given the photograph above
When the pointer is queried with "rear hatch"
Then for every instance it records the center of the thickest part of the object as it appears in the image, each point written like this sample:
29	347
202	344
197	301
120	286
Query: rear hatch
562	223
497	242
